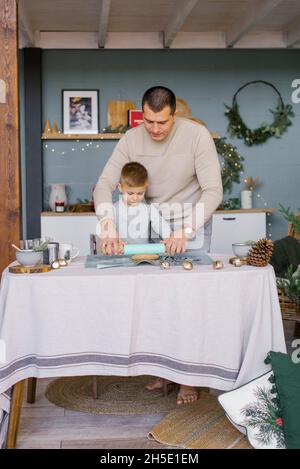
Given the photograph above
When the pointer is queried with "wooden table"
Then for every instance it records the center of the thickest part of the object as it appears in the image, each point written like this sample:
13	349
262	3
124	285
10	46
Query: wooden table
200	328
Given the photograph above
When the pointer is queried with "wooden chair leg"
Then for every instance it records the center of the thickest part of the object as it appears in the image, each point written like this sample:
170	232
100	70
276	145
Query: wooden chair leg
31	390
14	416
95	387
297	329
165	387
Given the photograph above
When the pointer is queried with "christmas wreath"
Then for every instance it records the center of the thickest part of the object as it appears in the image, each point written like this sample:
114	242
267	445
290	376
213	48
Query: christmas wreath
238	128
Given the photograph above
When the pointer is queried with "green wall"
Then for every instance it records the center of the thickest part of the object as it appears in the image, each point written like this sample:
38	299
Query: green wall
206	79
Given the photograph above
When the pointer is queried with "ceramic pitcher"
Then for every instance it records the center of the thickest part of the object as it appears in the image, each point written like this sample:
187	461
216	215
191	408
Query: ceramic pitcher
57	193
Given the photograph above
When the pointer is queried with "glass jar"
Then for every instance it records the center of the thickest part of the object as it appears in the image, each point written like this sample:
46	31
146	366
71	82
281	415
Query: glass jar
59	206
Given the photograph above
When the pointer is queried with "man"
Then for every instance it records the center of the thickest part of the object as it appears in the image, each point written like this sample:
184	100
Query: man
184	178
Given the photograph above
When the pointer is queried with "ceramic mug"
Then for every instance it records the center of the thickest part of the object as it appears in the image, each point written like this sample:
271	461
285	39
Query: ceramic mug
68	251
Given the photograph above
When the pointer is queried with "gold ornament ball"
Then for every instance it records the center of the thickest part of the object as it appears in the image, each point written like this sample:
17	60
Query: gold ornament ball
165	265
62	262
55	265
187	265
238	262
217	265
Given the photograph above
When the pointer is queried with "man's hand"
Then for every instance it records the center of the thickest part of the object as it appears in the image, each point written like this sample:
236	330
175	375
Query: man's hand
110	243
177	242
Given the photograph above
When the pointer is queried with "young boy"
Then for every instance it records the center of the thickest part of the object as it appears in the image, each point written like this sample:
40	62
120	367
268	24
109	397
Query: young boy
134	217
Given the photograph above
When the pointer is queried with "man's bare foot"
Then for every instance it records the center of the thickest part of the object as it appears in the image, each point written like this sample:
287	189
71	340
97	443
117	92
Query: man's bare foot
187	395
157	384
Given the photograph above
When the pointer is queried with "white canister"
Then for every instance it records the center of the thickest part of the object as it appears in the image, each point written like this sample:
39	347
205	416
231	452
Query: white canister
57	193
246	199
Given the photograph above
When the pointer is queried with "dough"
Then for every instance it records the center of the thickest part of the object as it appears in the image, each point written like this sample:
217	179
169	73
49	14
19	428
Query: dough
148	257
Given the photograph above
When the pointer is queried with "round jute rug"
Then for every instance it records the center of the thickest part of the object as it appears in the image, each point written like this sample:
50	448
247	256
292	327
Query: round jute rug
116	395
201	425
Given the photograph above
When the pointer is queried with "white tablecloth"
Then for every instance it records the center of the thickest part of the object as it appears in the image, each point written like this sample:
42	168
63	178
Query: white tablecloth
201	327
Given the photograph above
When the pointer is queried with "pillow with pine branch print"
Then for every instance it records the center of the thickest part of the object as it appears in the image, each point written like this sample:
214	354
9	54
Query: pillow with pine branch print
253	409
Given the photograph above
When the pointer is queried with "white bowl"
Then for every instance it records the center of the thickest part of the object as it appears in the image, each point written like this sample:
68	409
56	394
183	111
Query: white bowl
29	257
241	249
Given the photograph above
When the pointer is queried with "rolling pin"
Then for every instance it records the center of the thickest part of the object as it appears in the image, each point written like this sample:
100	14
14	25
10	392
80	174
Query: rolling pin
151	248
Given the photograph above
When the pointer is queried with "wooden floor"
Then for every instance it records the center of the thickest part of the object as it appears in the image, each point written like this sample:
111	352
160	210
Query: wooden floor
44	425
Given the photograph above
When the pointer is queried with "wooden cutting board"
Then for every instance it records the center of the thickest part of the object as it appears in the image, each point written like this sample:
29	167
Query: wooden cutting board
183	109
117	113
34	269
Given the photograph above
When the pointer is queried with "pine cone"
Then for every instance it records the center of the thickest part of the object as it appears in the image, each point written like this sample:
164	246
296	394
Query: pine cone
260	254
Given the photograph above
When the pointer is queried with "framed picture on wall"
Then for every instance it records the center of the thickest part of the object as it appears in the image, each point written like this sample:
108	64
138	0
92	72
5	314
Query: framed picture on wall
80	111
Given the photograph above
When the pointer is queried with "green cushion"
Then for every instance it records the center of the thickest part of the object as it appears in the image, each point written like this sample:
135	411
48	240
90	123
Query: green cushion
286	370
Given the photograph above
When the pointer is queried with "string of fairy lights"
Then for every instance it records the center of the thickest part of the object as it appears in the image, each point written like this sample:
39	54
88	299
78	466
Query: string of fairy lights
269	224
79	146
231	166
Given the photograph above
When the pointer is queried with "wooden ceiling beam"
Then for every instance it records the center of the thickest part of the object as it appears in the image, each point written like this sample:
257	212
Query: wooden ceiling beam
177	20
103	22
25	26
258	10
292	36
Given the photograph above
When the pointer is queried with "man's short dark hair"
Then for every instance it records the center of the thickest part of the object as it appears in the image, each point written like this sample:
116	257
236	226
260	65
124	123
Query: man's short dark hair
158	97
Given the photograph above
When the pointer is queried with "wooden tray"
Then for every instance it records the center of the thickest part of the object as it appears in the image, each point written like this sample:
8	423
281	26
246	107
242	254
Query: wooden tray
34	269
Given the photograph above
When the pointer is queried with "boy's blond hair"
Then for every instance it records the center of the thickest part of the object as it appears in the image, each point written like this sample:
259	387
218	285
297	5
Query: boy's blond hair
134	174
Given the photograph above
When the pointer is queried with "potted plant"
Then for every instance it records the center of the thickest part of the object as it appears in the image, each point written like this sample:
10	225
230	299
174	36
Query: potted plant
293	219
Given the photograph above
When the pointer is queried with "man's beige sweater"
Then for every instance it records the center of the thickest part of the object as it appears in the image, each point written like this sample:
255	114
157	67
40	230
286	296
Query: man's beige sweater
183	168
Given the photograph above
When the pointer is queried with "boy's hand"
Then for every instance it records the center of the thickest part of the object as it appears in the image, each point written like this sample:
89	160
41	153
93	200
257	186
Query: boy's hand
110	243
111	246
